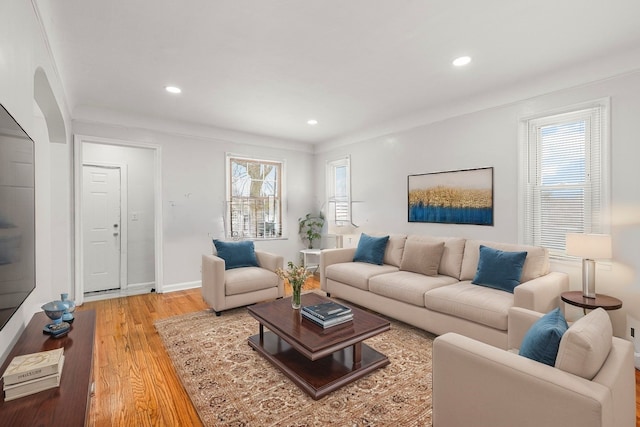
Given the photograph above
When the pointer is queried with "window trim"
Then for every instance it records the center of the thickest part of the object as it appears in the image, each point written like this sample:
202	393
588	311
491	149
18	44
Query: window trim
282	190
524	171
331	167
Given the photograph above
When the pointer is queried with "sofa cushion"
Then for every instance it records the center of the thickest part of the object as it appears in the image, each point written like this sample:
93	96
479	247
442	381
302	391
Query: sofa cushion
395	248
478	304
406	286
499	269
248	279
586	345
451	260
535	265
370	249
542	340
236	254
356	274
422	257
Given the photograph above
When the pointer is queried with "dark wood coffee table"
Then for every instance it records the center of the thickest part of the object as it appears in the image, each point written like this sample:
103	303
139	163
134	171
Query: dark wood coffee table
318	360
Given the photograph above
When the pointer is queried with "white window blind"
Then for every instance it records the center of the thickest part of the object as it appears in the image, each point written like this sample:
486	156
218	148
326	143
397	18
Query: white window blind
564	175
339	192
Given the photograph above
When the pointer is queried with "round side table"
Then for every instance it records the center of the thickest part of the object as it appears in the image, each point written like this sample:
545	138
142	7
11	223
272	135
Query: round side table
576	298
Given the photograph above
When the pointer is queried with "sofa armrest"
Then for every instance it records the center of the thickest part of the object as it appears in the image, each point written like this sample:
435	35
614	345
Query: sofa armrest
269	261
272	262
213	281
475	384
520	320
333	256
543	293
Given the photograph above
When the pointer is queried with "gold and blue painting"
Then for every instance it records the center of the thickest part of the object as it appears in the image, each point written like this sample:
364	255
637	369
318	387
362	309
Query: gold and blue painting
452	197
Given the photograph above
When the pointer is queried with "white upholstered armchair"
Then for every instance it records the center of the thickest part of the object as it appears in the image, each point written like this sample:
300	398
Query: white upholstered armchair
225	289
475	384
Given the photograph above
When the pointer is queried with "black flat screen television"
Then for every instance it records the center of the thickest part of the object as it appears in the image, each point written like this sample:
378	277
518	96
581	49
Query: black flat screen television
17	216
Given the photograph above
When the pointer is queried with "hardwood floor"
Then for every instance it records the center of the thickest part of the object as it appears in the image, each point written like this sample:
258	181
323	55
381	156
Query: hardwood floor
136	384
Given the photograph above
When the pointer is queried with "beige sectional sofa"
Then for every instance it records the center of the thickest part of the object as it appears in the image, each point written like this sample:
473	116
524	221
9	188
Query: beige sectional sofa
446	301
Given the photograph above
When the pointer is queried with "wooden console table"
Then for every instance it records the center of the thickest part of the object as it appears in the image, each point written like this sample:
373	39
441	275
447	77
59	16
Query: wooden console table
67	405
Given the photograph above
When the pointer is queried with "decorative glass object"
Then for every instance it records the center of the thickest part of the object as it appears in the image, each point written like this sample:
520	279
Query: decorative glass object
295	297
67	316
54	311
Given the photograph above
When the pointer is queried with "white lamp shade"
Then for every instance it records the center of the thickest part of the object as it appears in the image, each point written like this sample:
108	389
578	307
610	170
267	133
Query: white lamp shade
589	246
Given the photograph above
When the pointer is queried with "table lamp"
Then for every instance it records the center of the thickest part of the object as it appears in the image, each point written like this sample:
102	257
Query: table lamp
589	247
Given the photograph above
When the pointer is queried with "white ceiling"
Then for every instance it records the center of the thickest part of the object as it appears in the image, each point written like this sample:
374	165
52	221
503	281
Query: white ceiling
267	66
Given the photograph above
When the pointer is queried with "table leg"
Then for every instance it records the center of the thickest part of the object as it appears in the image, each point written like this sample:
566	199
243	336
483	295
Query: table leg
261	334
357	355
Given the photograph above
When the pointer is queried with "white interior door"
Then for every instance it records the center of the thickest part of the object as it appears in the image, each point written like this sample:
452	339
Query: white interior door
101	228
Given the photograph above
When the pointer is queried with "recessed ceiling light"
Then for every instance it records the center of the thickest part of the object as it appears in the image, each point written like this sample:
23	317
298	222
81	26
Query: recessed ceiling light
172	89
312	122
462	61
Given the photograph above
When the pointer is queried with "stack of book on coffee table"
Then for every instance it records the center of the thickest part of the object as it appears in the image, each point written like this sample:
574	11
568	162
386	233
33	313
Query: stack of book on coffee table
30	373
327	314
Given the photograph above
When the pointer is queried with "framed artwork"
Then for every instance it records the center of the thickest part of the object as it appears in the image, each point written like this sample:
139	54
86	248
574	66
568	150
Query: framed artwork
452	197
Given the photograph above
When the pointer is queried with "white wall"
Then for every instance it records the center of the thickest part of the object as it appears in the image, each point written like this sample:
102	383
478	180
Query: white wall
22	51
193	192
490	138
139	164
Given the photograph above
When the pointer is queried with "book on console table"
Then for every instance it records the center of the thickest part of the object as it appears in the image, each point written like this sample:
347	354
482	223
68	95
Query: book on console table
326	310
26	367
334	321
33	386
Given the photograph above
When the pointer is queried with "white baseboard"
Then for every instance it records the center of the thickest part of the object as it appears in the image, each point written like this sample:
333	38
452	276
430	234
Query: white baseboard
180	286
145	287
133	289
141	288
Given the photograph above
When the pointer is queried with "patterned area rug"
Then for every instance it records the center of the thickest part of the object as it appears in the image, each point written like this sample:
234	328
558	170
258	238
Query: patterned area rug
232	385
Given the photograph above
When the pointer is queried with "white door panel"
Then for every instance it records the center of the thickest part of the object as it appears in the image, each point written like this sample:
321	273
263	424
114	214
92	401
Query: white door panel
101	228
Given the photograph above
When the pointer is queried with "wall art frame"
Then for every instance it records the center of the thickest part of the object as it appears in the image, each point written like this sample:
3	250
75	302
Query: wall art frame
451	197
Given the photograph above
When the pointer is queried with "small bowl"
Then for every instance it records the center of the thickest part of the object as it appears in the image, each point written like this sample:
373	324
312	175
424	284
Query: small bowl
54	310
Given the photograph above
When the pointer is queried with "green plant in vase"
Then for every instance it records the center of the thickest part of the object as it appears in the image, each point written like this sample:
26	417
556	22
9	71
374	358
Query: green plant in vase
310	227
296	275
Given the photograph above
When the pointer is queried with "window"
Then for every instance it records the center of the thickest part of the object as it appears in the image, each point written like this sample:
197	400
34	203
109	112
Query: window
339	192
254	198
565	177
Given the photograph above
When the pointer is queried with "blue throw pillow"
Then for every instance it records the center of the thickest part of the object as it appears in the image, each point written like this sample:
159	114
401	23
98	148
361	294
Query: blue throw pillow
498	269
542	340
371	249
236	254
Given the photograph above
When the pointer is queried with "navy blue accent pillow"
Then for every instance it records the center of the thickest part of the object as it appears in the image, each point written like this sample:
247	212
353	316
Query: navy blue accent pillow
542	340
498	269
236	254
371	249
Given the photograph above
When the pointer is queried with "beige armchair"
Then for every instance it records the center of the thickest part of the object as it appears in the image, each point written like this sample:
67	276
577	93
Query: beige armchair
478	385
237	287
